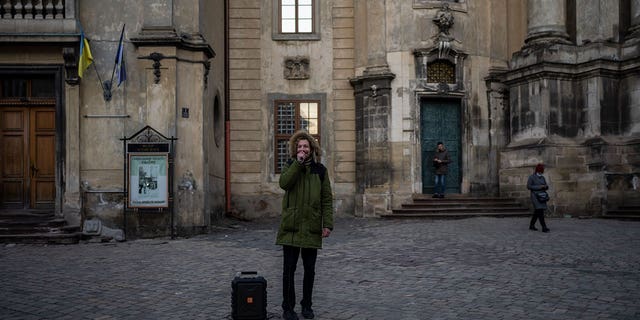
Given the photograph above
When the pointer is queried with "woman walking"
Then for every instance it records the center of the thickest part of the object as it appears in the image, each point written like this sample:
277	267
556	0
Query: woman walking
539	197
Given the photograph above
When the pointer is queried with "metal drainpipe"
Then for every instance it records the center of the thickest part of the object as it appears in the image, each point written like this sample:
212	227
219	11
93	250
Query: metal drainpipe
227	123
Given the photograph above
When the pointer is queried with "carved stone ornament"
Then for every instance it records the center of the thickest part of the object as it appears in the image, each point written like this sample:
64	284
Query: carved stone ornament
296	68
444	21
70	66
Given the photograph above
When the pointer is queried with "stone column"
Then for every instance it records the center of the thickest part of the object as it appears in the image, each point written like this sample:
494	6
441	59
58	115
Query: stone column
634	28
546	22
376	37
373	164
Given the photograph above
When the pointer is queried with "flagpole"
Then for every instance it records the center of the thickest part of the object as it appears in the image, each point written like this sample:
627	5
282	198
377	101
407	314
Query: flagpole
106	87
113	72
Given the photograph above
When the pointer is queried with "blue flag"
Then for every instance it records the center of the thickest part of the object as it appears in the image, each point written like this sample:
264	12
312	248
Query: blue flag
121	72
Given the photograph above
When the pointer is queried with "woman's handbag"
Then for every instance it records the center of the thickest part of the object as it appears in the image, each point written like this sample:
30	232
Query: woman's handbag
542	196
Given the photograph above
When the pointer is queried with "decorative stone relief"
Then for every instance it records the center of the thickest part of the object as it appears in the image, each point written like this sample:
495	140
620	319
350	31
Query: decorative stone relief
70	66
187	182
444	21
296	68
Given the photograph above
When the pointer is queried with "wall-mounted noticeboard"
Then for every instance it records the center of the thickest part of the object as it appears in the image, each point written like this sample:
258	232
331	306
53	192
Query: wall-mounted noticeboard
148	180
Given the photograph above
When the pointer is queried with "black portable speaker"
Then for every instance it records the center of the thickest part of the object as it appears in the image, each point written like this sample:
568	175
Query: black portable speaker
248	296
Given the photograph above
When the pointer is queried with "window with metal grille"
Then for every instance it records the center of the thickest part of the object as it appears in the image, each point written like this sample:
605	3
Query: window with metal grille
441	71
291	116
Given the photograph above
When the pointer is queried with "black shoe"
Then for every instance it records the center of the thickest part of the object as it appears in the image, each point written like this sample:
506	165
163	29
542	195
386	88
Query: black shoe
289	315
533	228
442	196
307	313
545	229
435	195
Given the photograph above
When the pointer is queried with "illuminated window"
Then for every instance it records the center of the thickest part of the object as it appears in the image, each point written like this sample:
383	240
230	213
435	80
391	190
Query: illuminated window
441	71
296	16
296	20
291	116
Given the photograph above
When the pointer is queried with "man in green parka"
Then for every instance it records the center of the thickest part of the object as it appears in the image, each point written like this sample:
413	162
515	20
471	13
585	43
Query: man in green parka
307	217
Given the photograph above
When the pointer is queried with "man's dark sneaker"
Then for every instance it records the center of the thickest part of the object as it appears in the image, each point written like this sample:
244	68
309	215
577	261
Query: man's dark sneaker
545	229
435	195
289	315
307	313
532	228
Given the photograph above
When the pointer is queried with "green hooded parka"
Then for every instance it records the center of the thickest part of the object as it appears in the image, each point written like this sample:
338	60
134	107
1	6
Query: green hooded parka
307	206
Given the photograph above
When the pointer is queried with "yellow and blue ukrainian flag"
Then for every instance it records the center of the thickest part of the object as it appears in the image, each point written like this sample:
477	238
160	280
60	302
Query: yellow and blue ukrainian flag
85	55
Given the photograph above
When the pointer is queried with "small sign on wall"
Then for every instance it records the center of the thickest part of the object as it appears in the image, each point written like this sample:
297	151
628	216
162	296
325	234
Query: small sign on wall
185	112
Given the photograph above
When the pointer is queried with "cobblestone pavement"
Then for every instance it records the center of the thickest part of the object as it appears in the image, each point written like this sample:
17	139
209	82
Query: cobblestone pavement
481	268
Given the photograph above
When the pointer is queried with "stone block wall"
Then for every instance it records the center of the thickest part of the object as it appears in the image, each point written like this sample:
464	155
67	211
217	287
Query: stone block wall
584	180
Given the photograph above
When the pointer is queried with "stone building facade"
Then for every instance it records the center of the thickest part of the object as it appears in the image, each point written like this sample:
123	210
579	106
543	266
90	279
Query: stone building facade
174	57
505	84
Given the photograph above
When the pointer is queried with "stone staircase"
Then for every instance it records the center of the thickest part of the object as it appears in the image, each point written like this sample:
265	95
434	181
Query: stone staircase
625	212
456	206
36	227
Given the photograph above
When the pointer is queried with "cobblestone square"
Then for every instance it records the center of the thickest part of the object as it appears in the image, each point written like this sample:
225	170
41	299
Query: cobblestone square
480	268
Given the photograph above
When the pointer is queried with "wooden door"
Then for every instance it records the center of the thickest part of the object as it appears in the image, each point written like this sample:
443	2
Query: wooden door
27	157
440	122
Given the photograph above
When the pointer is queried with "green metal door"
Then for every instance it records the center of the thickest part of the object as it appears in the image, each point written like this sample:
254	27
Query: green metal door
440	121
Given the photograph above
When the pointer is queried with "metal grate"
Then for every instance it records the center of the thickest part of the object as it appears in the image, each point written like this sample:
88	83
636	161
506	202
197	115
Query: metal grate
441	71
286	114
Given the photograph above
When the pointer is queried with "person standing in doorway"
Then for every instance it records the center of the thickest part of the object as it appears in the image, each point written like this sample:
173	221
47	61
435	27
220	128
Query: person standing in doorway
307	217
441	165
537	184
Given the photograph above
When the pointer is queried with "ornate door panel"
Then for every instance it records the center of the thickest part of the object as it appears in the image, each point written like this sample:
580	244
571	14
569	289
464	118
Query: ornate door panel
42	132
27	157
440	122
14	124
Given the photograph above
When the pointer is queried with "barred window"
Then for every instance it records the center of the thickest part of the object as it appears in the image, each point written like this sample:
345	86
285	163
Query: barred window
291	116
441	71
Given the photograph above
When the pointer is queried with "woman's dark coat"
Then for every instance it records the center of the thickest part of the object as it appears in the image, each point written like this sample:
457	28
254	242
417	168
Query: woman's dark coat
537	183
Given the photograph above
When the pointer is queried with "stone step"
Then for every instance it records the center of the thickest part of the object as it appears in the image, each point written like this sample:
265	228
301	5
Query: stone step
36	227
456	215
42	238
626	212
453	203
458	206
459	198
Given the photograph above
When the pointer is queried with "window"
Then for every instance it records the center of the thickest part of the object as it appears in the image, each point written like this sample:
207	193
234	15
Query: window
455	5
27	87
296	20
296	16
441	71
291	116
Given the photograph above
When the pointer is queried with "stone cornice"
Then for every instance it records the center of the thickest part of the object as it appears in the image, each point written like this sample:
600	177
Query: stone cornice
559	70
168	37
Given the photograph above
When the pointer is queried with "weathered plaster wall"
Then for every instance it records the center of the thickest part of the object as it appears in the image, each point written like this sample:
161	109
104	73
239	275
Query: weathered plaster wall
212	25
144	100
257	66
